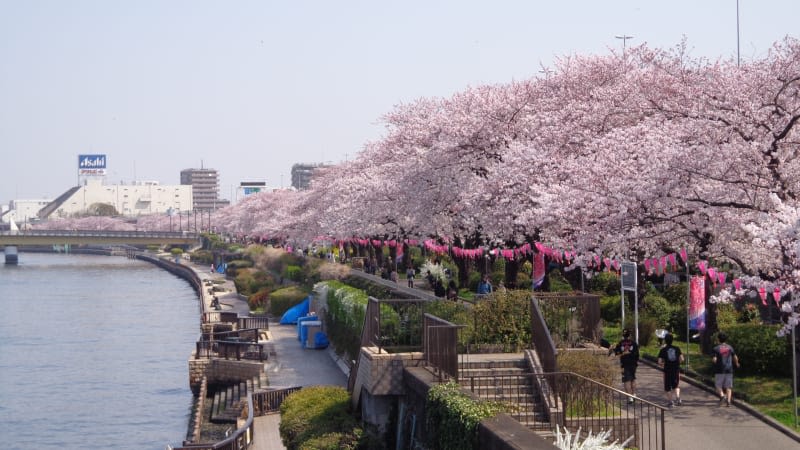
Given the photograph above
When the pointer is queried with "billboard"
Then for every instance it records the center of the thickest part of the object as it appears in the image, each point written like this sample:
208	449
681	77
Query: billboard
92	164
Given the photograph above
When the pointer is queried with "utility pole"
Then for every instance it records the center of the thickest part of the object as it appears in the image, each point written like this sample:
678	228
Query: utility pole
625	38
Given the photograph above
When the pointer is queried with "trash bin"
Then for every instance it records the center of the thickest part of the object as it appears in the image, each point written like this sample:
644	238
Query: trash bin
307	330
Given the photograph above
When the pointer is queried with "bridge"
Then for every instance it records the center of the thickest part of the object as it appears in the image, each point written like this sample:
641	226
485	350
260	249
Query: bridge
12	239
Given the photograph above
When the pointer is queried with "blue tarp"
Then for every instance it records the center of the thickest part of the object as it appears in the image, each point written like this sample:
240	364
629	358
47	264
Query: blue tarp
296	311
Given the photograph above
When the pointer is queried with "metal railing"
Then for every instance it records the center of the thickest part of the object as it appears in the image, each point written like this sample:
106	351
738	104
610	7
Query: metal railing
220	317
239	439
266	402
545	401
230	350
440	346
260	322
542	342
242	335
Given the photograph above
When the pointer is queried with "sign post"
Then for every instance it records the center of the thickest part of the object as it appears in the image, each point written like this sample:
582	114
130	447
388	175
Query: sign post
629	282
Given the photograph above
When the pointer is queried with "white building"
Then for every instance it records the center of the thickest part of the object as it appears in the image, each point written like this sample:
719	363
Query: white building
131	200
23	211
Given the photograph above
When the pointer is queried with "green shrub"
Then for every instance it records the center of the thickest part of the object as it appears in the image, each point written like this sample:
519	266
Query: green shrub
726	315
676	294
294	273
240	264
611	308
749	314
202	257
677	323
604	284
453	417
345	317
474	279
657	308
317	417
504	318
243	281
647	328
759	350
282	299
370	289
558	283
523	280
596	366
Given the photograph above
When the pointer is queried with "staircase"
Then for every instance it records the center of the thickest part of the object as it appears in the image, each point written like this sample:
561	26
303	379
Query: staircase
506	378
228	403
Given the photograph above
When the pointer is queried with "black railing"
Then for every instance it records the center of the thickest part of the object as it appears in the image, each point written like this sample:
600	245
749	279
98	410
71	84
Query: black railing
266	402
260	322
230	350
568	401
242	335
440	346
239	439
542	342
220	317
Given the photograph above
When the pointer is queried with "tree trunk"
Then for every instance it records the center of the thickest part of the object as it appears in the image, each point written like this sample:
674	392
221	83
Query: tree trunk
512	268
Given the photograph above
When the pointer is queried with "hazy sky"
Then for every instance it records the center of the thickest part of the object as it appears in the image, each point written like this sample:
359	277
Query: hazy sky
251	87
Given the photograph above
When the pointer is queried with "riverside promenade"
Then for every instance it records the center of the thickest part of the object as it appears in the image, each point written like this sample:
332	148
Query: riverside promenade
700	423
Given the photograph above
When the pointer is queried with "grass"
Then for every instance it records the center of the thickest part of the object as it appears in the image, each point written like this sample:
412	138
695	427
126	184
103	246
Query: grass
770	395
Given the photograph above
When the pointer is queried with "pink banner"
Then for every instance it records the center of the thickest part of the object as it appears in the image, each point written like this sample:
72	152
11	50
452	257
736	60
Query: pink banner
697	303
538	269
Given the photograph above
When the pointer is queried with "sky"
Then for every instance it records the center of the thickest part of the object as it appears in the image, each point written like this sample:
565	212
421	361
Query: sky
250	88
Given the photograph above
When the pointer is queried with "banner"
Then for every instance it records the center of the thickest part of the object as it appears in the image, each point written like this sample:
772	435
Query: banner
697	303
538	270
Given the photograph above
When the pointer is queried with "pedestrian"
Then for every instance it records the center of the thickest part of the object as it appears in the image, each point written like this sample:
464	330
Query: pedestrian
724	360
484	287
452	291
628	352
438	288
410	276
393	275
670	359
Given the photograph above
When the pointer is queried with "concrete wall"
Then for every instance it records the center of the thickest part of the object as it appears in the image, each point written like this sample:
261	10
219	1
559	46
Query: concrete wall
221	371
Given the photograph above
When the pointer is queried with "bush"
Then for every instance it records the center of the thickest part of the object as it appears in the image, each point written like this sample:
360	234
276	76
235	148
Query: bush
677	323
243	281
294	273
590	364
504	318
345	317
611	308
676	294
657	308
558	283
283	299
258	300
453	417
759	350
726	315
647	328
318	417
604	284
202	257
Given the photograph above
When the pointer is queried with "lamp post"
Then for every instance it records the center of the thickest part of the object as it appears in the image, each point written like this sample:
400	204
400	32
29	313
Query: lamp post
737	33
624	38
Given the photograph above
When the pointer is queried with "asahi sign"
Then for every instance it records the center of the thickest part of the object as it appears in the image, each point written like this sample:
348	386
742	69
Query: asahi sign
92	164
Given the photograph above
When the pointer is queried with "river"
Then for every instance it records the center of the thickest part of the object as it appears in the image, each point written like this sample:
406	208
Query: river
93	353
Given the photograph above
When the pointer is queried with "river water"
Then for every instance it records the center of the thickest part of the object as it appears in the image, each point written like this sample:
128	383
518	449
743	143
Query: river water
93	353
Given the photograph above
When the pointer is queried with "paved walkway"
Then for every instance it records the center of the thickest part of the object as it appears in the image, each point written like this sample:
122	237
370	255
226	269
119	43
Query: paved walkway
292	366
700	423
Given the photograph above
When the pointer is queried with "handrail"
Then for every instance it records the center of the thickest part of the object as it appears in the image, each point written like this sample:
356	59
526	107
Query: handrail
101	233
239	439
440	345
542	341
573	401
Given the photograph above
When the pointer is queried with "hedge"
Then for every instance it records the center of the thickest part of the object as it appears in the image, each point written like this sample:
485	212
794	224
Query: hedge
283	299
319	417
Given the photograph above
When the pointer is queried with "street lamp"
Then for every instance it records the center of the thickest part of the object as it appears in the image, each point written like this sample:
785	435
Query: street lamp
737	33
624	38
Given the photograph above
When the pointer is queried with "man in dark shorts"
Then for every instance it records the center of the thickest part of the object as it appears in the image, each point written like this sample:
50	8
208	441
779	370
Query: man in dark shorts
670	359
628	352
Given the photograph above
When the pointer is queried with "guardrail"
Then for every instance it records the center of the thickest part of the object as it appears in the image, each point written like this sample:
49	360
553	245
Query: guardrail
102	233
239	439
440	346
545	401
230	349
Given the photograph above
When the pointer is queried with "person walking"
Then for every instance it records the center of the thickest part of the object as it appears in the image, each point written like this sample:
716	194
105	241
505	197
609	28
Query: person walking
670	359
410	276
724	360
628	352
